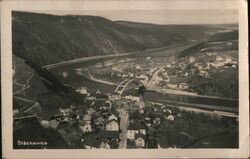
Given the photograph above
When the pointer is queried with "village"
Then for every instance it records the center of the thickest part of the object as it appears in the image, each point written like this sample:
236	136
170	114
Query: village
176	75
112	121
105	121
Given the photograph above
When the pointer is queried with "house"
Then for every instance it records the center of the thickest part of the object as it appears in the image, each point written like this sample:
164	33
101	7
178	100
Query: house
82	90
47	120
104	145
135	128
106	105
86	118
147	121
99	121
169	117
157	120
64	111
85	127
140	140
191	59
228	60
143	77
112	117
133	98
172	86
90	98
219	58
65	74
112	125
168	66
203	73
229	43
91	111
186	74
183	86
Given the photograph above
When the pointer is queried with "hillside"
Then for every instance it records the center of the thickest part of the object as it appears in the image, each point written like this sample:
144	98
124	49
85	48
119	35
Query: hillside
214	65
50	39
220	42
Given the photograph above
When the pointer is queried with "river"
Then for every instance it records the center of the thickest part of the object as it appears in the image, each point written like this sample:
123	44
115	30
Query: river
92	86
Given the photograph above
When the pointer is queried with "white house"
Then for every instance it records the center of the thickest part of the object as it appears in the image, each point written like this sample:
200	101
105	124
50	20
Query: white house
112	125
204	73
147	121
104	145
219	58
191	59
183	86
170	118
134	129
91	111
65	74
133	98
140	140
85	127
82	90
173	86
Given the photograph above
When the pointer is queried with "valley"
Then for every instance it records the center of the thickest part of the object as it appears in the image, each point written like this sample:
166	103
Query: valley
178	83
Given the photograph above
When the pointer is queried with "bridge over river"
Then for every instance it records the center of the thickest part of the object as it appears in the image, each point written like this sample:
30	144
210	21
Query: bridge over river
201	102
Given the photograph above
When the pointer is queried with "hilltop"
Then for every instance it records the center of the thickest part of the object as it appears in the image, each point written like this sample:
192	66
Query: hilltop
50	38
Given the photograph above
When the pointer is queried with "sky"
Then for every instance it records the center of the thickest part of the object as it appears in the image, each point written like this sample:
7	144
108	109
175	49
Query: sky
164	16
153	11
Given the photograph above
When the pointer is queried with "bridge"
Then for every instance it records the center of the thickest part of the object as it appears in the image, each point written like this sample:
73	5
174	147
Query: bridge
122	86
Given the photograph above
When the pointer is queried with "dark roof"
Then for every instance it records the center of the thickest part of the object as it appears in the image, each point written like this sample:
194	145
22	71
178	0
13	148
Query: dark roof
101	96
137	135
109	121
109	134
154	114
83	123
136	126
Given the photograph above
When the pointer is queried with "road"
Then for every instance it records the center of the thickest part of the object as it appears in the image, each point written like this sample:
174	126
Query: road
123	126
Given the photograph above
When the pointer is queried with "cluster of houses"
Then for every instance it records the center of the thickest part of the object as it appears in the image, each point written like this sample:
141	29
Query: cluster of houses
122	70
143	122
190	68
93	124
